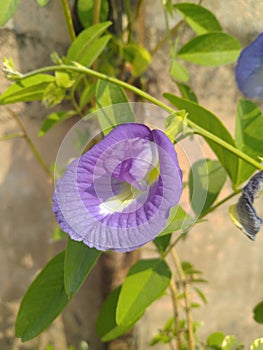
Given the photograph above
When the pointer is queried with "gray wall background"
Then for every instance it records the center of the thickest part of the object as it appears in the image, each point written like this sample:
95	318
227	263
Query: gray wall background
231	263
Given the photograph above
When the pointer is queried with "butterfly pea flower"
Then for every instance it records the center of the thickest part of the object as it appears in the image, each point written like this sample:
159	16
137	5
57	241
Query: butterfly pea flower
243	213
118	195
249	69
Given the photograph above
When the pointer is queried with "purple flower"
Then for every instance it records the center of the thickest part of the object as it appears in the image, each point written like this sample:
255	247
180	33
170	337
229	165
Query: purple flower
119	194
249	69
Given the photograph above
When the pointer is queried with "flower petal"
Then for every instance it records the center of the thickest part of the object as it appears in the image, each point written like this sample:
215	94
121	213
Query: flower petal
119	194
249	69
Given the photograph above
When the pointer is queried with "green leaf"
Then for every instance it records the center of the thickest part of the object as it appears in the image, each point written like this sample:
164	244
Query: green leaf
248	136
189	268
85	11
94	50
257	344
258	313
139	58
43	3
187	92
54	119
86	95
195	305
230	342
212	49
8	9
118	109
26	89
146	281
79	261
106	326
44	300
87	47
162	243
208	121
169	325
206	179
198	18
178	71
178	220
58	234
201	295
215	340
168	5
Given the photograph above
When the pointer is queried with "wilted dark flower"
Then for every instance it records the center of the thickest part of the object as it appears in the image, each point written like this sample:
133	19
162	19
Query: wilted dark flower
119	194
243	213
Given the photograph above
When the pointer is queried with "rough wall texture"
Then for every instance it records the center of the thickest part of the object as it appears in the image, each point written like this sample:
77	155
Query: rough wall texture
231	263
25	193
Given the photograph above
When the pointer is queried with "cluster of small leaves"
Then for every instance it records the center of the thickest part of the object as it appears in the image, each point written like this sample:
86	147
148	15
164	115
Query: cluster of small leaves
51	90
220	341
168	334
193	278
173	330
215	341
210	46
248	121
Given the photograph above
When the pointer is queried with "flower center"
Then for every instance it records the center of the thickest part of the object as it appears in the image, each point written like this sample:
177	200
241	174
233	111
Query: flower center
132	167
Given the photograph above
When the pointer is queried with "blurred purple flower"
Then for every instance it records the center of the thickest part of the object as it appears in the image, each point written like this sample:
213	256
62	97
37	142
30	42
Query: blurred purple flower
119	194
249	69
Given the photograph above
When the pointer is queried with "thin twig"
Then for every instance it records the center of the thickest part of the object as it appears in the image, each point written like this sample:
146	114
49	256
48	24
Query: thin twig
129	18
68	18
96	20
182	235
138	9
174	294
96	11
29	141
187	300
12	136
173	31
197	129
218	204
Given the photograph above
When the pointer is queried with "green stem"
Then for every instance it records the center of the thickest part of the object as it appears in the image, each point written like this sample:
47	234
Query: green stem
68	18
12	136
172	245
146	96
96	20
187	299
210	210
137	11
174	295
129	18
173	31
168	31
224	144
218	204
30	142
96	11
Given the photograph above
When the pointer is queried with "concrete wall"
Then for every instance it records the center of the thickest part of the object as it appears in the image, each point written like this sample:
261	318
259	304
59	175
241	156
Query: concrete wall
25	193
231	263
